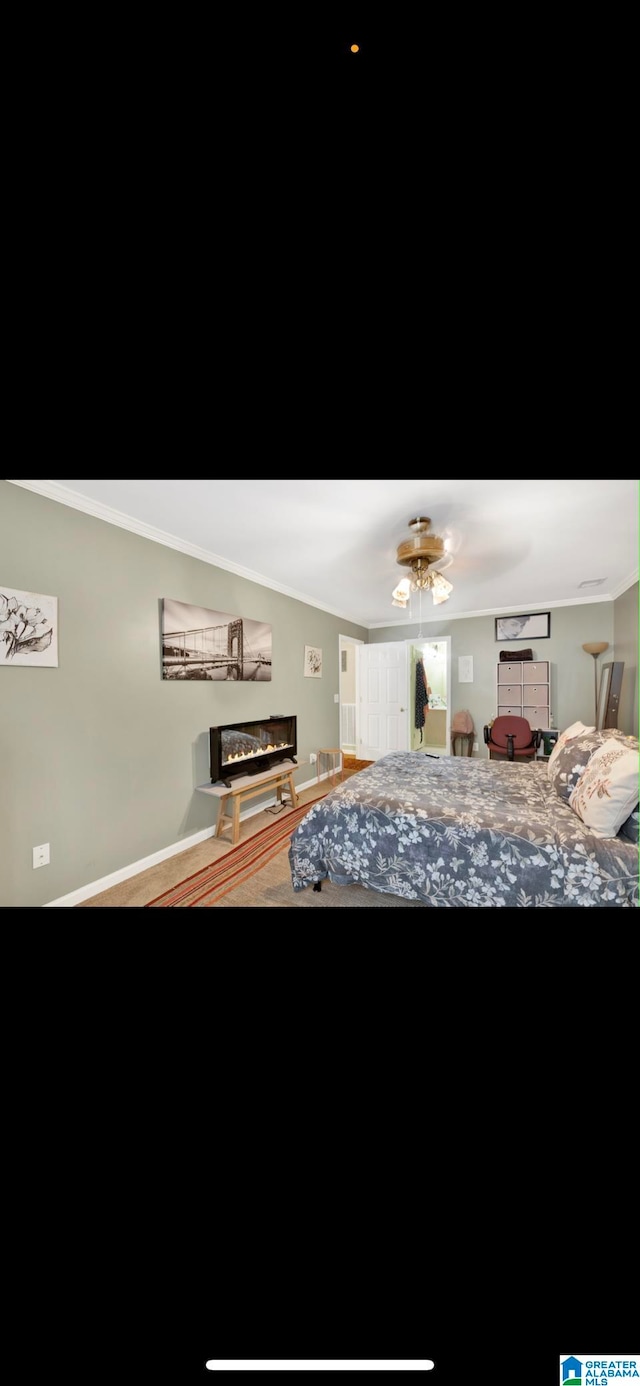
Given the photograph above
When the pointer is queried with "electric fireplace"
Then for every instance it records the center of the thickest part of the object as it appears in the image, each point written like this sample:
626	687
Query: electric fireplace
248	748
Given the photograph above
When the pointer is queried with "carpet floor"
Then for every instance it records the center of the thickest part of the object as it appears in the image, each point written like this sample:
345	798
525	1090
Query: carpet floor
237	870
253	873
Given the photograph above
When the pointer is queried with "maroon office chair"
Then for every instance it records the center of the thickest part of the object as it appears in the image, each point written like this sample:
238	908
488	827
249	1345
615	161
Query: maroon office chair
511	738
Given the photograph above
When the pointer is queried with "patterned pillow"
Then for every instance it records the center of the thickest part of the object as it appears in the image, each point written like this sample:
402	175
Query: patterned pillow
574	756
607	790
576	729
630	741
629	828
571	762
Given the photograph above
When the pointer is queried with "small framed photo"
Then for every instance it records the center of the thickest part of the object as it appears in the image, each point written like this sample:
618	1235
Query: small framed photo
312	662
534	626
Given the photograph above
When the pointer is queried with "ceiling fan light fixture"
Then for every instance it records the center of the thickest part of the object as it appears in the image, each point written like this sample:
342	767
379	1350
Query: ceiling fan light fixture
401	593
440	588
424	554
422	545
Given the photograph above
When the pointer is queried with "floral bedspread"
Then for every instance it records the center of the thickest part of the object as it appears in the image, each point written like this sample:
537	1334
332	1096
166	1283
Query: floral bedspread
455	831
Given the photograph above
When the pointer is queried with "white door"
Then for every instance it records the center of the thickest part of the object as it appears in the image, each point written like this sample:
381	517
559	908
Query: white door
382	690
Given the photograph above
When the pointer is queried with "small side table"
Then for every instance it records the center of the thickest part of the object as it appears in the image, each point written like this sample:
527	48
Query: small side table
335	767
467	739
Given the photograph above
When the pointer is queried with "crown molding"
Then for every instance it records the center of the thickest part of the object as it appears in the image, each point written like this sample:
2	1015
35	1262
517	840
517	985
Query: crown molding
439	616
625	585
66	496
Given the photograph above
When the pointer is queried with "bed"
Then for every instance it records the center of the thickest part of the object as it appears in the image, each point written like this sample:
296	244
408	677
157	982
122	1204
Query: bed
451	831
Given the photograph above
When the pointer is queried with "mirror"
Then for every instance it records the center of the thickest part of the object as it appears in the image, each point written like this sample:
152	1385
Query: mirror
609	695
603	695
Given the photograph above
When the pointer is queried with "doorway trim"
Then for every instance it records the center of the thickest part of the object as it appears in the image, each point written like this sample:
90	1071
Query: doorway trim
345	641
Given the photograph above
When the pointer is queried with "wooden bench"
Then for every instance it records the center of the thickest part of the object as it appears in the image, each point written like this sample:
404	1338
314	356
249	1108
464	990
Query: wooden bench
248	787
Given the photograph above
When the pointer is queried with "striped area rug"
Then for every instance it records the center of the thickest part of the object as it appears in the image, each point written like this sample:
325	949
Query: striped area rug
212	883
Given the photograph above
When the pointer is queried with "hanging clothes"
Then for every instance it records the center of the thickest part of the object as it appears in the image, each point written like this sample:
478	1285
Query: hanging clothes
422	697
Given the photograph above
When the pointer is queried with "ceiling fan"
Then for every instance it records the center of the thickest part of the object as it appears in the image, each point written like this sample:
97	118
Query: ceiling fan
428	556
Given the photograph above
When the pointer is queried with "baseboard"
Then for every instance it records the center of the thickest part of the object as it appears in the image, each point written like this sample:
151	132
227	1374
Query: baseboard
125	873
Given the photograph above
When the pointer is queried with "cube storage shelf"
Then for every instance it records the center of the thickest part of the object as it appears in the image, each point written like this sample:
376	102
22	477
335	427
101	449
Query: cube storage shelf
523	689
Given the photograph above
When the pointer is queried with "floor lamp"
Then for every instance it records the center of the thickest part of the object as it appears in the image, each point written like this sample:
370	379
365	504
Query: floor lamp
595	648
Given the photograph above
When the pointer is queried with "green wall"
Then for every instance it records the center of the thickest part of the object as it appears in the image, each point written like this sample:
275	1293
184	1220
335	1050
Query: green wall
572	680
101	756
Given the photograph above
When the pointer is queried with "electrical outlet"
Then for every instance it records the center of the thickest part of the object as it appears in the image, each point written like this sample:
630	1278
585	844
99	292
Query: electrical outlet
336	697
313	758
41	855
475	745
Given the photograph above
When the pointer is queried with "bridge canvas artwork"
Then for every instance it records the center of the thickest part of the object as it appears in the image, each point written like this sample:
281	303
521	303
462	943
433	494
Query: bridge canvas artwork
202	644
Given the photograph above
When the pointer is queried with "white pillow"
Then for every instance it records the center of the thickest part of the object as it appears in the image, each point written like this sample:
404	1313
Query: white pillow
576	729
607	791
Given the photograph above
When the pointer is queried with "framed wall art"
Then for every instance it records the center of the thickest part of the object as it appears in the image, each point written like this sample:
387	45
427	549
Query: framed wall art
532	626
201	644
312	662
28	629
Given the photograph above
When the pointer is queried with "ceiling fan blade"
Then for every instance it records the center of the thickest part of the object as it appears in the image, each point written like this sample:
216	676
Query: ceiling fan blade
441	564
453	538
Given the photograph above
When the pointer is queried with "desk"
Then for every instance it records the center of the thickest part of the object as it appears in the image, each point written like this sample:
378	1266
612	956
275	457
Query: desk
247	787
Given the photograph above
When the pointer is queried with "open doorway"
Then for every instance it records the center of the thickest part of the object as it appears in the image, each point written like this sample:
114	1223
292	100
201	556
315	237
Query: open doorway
386	704
347	666
434	736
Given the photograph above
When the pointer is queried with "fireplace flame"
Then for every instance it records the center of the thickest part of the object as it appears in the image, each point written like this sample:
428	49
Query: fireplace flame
250	755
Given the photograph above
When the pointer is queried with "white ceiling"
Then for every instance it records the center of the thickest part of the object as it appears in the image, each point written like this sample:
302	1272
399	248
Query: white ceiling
519	544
